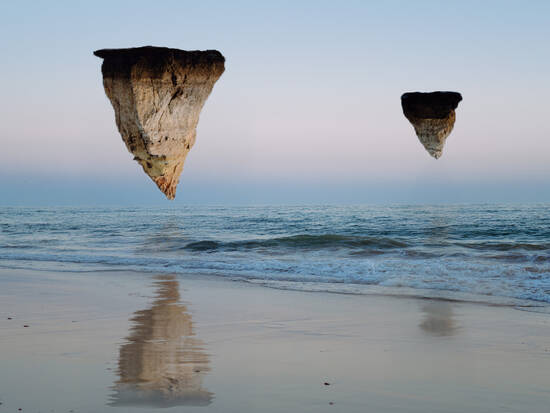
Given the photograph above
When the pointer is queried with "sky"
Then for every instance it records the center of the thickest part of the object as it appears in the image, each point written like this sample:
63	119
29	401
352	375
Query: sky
307	111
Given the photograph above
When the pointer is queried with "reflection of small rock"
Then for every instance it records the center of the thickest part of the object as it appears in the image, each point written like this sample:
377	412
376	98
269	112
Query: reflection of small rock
438	319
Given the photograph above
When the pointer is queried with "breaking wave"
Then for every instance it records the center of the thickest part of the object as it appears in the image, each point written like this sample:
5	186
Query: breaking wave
492	253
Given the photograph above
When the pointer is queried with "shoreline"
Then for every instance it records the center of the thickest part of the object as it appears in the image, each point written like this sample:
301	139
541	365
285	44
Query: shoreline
322	287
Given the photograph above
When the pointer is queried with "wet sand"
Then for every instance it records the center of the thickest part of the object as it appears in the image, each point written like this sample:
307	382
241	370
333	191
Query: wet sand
106	341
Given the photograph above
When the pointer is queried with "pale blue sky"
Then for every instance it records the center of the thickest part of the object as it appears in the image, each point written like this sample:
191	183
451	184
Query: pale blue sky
308	110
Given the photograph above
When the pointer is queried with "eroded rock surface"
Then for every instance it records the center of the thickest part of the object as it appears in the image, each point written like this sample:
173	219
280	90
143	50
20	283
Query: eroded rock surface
157	94
433	117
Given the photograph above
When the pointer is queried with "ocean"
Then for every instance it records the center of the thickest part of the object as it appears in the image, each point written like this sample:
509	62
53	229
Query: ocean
495	254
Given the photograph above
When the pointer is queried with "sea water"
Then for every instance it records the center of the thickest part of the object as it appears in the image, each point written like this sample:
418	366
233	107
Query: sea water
499	254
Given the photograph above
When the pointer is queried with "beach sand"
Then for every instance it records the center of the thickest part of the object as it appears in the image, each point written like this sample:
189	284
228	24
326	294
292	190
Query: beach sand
107	341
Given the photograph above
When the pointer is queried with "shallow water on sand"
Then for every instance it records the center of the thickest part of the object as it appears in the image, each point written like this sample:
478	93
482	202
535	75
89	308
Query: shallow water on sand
122	342
490	253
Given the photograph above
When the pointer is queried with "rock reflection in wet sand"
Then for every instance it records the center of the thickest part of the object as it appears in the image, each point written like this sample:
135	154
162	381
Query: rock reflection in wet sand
438	319
162	364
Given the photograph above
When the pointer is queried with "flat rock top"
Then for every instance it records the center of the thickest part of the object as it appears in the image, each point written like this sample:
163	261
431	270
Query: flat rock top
433	105
156	60
160	53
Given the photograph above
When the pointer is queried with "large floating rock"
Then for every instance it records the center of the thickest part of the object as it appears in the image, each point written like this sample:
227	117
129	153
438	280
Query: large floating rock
433	117
157	94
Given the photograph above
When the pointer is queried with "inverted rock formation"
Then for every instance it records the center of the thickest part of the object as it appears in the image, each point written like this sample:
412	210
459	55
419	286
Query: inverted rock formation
433	117
157	94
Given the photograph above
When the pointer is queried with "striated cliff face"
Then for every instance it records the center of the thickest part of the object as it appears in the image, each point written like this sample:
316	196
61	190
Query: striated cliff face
433	117
157	94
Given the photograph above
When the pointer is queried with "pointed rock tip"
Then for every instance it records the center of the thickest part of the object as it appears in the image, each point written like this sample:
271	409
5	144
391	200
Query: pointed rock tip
168	188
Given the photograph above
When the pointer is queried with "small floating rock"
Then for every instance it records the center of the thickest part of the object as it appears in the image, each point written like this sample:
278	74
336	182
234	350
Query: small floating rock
433	117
